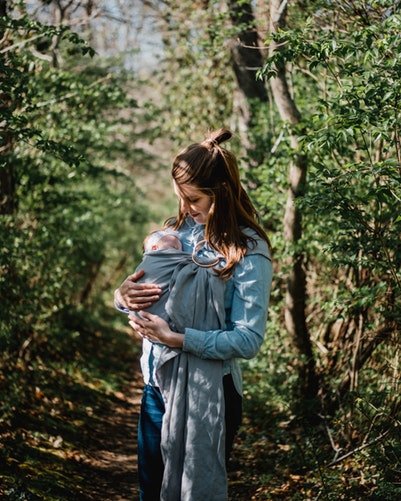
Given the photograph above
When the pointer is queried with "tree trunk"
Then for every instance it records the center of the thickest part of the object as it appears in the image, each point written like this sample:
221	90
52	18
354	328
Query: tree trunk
246	59
332	403
295	303
93	274
8	200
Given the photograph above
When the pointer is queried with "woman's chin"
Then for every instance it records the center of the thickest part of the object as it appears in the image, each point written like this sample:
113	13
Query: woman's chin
199	220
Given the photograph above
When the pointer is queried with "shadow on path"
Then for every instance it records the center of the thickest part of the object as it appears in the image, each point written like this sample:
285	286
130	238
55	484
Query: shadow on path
74	436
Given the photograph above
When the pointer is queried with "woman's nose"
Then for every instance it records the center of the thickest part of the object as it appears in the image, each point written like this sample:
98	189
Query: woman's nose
185	206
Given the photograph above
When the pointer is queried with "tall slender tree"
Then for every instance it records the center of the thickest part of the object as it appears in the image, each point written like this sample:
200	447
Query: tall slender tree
247	59
295	301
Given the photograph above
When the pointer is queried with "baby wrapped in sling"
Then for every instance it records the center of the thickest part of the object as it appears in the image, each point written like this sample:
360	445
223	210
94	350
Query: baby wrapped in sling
193	430
192	293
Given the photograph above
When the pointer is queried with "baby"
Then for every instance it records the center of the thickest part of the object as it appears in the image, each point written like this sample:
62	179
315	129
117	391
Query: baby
160	247
161	240
190	288
192	293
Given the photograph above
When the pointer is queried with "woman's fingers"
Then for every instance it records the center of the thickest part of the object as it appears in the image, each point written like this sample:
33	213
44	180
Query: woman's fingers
134	324
137	328
131	284
143	287
138	298
138	325
134	306
147	316
137	293
143	290
136	276
149	326
138	320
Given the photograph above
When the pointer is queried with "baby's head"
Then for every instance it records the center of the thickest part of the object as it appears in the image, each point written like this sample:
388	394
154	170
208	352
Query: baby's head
161	240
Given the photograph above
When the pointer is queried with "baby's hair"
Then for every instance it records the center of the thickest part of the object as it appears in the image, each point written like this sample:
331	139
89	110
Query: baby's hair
151	242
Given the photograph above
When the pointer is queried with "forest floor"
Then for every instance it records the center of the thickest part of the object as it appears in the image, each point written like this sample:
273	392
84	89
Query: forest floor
72	431
75	435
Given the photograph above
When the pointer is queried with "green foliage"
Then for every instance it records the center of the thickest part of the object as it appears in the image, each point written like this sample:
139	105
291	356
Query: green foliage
70	144
350	136
345	81
196	80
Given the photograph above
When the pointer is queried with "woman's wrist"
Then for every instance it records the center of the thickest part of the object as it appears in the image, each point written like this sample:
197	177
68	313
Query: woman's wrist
175	340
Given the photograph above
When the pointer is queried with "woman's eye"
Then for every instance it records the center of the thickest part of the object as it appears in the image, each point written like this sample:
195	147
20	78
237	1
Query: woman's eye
193	201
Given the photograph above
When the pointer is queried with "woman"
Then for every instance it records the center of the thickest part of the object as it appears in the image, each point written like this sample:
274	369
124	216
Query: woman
214	209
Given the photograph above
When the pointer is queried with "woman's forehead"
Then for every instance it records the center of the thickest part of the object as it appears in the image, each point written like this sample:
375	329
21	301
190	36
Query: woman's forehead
186	189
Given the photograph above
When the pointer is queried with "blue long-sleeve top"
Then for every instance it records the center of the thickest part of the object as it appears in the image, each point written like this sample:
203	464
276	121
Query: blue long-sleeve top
246	301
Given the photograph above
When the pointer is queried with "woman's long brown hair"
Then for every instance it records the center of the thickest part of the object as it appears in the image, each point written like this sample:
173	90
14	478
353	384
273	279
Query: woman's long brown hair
212	169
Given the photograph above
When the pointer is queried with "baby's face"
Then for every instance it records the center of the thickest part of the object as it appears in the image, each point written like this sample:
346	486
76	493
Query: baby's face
168	242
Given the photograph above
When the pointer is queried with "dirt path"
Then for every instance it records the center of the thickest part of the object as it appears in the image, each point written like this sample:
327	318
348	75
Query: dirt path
75	435
114	458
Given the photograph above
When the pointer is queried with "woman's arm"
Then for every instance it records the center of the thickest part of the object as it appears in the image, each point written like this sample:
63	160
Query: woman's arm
245	333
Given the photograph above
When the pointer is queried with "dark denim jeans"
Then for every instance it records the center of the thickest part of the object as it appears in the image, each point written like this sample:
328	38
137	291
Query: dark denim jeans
150	463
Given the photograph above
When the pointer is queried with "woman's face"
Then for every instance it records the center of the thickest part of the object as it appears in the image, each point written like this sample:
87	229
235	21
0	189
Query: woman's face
193	201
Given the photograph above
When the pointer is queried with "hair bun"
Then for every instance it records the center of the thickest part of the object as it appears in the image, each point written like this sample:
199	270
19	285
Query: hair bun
218	136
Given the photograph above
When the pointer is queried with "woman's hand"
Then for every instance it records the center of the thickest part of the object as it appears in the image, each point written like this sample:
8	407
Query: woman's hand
136	296
156	329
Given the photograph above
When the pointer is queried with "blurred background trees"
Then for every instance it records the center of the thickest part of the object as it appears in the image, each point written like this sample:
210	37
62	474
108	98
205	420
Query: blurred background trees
312	92
70	214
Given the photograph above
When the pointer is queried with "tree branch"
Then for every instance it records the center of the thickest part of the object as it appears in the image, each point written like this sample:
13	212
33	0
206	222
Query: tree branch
360	448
